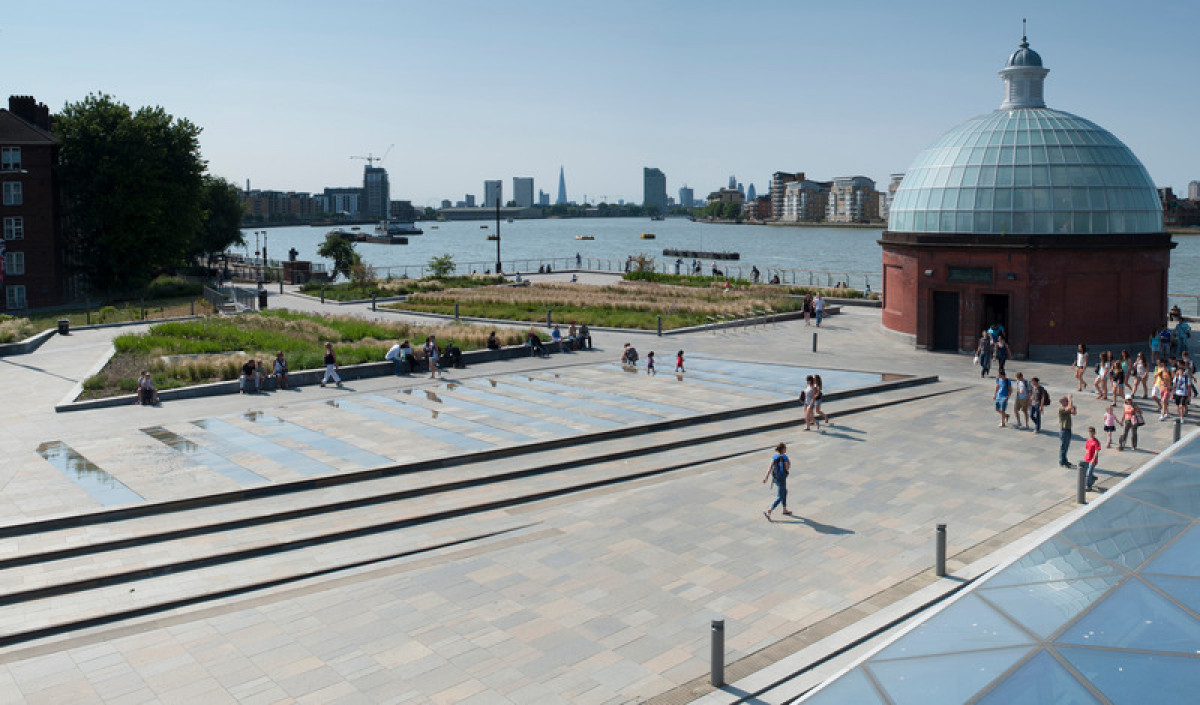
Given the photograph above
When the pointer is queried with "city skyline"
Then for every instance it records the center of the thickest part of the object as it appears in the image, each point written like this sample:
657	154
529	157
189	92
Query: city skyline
571	86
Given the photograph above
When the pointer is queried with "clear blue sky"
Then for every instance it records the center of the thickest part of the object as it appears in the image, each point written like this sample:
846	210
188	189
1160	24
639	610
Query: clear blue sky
286	92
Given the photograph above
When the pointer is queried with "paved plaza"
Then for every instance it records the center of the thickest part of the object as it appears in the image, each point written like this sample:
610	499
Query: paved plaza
594	582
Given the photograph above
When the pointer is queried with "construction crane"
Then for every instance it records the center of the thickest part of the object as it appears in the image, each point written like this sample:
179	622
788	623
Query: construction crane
371	158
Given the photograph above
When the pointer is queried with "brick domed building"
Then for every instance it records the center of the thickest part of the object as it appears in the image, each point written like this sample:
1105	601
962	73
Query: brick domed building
1034	218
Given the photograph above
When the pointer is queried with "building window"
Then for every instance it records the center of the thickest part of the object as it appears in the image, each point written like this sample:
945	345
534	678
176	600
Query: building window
14	297
14	263
10	158
12	193
14	228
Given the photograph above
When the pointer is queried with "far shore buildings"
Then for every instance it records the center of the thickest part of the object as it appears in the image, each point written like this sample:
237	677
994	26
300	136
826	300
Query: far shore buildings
805	200
852	199
654	189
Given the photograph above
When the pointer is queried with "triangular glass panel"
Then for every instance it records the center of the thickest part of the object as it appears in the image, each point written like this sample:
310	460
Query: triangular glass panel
1184	590
1135	617
1119	512
949	679
1128	547
1044	607
1185	500
1055	559
966	625
1129	678
854	687
1042	680
1180	558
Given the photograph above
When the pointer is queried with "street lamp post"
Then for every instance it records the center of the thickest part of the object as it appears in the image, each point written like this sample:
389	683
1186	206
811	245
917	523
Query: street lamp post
264	259
497	234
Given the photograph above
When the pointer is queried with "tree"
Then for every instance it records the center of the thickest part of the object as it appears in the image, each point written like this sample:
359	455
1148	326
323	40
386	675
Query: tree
132	182
341	251
442	266
731	210
222	216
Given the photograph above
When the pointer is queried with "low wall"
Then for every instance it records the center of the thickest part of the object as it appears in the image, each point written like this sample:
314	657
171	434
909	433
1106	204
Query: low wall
300	378
28	345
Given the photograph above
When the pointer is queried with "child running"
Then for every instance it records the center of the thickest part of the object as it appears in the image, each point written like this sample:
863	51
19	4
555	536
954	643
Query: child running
1110	423
679	361
650	363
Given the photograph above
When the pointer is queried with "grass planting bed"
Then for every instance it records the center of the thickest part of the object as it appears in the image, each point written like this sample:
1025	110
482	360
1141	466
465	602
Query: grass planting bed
214	348
626	305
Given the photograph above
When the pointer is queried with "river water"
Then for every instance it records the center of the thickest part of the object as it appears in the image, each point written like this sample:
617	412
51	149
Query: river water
805	254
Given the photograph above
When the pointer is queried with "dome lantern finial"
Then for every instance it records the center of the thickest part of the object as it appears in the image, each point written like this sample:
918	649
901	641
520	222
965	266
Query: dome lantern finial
1023	77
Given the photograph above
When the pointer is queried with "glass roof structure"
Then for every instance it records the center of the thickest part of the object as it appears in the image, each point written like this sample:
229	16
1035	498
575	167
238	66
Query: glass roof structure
1026	170
1105	611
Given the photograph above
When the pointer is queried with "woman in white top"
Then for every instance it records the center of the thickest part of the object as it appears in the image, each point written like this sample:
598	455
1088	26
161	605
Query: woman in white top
1103	371
810	400
1141	375
1080	365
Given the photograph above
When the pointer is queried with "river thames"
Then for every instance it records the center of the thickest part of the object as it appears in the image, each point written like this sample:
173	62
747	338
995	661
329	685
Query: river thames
835	254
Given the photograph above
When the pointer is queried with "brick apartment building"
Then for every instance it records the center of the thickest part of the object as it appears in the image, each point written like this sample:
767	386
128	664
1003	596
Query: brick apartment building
34	271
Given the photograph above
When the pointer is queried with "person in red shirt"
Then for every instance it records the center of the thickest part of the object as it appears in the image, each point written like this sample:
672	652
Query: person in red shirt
1091	455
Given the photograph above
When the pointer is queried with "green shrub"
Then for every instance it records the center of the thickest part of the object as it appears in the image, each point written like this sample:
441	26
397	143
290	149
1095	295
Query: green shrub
108	314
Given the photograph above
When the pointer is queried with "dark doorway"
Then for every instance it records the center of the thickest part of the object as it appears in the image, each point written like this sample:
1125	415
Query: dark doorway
945	320
995	310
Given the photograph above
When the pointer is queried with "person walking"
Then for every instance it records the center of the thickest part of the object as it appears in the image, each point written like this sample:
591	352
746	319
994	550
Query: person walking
1021	405
1000	397
650	363
1141	376
983	353
431	355
1081	361
330	367
778	473
1110	423
1131	418
1091	456
808	398
1038	399
1162	388
808	307
817	400
1181	387
1001	353
679	361
1066	409
819	308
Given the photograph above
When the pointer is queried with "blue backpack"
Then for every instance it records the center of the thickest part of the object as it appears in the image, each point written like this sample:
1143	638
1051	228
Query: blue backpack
779	471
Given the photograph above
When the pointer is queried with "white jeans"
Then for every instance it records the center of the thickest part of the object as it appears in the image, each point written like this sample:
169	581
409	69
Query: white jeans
331	373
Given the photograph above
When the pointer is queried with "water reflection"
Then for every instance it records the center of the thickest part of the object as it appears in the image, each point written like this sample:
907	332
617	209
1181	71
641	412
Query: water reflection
104	488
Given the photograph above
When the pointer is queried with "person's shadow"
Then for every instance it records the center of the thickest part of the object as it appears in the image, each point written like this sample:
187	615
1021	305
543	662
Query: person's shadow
817	526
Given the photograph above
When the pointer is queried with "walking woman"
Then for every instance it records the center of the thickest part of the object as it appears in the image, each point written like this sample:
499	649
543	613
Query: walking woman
1102	371
778	474
330	366
1001	353
1081	363
1162	389
1141	376
808	396
431	355
984	353
817	400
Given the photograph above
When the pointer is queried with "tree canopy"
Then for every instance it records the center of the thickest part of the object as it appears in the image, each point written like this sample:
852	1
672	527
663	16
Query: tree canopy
133	185
341	251
221	209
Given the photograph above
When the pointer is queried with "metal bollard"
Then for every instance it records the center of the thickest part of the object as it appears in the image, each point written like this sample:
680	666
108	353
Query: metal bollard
193	302
1178	430
548	323
1081	484
814	342
660	326
281	286
322	293
456	310
143	309
372	302
717	657
940	551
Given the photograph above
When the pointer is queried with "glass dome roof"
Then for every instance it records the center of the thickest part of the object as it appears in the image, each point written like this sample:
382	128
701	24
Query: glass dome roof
1027	171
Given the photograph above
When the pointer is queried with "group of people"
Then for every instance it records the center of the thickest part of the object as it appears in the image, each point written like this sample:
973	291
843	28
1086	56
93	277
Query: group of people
814	307
402	355
992	345
256	373
629	360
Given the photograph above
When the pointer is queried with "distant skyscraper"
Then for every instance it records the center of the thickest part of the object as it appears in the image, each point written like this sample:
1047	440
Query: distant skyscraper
779	182
562	189
543	198
376	195
750	193
687	198
469	200
732	181
492	193
523	191
654	189
1194	190
445	203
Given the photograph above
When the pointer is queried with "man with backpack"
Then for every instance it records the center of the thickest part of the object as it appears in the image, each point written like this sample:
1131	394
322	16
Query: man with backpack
1039	398
778	473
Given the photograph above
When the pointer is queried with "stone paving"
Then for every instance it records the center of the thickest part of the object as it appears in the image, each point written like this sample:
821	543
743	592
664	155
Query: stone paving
605	596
